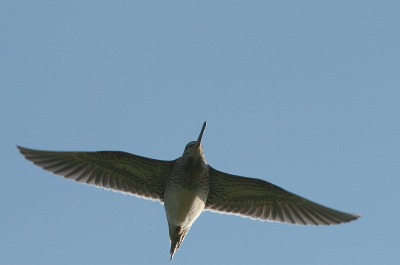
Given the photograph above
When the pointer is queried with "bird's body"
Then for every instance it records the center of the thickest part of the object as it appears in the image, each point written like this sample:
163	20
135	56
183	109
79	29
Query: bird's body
186	186
186	192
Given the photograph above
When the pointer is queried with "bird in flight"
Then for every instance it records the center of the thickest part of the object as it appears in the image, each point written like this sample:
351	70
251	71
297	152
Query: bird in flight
186	186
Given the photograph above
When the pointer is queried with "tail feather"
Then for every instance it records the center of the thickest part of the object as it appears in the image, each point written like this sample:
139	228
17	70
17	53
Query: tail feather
177	237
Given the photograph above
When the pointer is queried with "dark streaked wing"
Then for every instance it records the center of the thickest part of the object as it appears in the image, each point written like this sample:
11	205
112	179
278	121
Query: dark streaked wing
258	199
118	171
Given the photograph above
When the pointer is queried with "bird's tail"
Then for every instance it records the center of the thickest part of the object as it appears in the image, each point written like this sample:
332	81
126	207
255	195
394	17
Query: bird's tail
177	235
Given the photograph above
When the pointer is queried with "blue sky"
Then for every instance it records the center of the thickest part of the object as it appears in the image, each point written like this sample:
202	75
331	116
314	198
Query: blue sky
302	94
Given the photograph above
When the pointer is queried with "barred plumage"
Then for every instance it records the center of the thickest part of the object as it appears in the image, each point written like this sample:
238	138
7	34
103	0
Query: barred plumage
186	186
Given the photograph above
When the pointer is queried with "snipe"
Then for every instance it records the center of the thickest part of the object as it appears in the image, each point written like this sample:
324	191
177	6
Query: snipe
186	186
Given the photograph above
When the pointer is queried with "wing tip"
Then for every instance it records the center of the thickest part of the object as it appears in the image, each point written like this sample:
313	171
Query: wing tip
24	151
355	216
20	148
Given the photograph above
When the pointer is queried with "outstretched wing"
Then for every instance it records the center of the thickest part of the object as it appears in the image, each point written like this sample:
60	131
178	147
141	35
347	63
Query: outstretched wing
119	171
258	199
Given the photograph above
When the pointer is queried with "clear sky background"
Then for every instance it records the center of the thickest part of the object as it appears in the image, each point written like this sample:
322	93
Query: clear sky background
305	95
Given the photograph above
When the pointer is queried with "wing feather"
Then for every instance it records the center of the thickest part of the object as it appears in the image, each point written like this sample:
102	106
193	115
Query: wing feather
119	171
258	199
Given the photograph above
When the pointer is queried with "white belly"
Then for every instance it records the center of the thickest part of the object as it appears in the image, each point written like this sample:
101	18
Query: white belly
183	207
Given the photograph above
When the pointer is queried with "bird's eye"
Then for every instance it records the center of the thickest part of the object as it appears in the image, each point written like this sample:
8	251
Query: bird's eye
191	144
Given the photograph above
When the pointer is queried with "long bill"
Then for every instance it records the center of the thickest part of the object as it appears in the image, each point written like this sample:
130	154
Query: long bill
201	135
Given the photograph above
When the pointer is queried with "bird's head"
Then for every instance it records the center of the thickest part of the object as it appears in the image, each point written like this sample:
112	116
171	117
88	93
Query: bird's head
195	149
